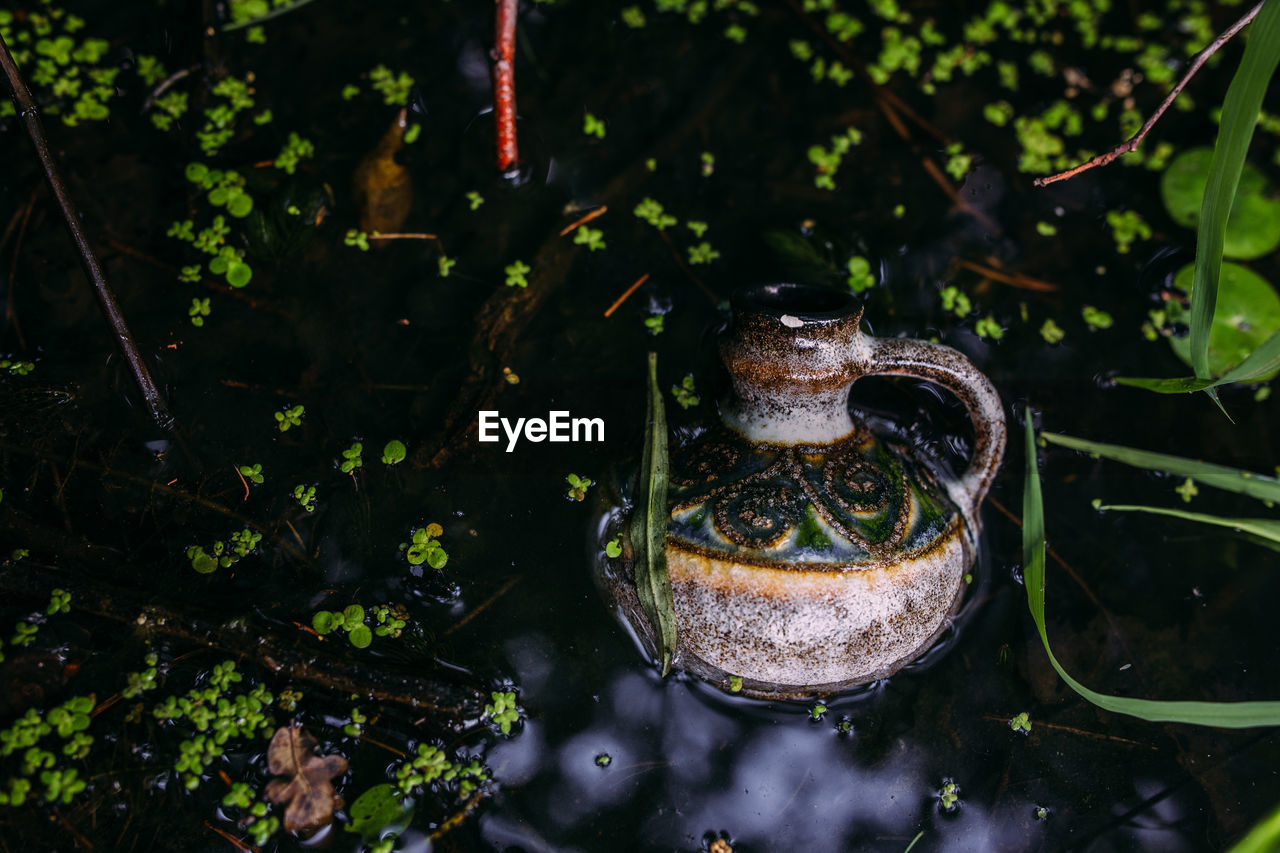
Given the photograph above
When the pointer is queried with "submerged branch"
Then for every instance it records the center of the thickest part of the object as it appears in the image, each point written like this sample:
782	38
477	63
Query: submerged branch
456	703
154	487
30	116
1132	145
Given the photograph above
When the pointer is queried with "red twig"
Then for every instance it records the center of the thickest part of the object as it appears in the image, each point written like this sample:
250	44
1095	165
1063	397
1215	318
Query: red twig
630	290
243	482
1132	144
242	846
504	84
1016	279
394	236
584	219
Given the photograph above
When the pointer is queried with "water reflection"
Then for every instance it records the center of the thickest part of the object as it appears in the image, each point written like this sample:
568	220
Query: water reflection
763	772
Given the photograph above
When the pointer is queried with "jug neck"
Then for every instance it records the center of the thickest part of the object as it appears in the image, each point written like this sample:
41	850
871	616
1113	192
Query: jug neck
793	352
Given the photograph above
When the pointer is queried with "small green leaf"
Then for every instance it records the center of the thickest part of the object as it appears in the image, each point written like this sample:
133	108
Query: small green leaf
238	273
353	615
240	206
394	452
324	622
361	636
436	556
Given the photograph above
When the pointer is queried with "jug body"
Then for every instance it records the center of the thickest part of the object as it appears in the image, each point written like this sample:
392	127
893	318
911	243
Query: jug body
806	554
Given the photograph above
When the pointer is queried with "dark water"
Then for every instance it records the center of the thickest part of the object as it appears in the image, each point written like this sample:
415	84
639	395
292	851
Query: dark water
377	346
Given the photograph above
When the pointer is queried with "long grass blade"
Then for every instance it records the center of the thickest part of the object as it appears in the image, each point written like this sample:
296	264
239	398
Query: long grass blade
649	524
1230	715
1265	528
1239	117
266	16
1236	480
1262	361
1263	838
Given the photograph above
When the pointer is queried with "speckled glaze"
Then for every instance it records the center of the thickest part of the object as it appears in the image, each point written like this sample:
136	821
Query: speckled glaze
807	555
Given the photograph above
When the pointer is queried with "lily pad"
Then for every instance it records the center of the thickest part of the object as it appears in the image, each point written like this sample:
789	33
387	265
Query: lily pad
1253	228
380	812
1248	313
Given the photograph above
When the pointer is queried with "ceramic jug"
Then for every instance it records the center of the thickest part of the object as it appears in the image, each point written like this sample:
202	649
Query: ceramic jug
807	555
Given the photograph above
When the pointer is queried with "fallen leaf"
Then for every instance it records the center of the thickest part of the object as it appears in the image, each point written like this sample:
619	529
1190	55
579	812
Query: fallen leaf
381	186
311	798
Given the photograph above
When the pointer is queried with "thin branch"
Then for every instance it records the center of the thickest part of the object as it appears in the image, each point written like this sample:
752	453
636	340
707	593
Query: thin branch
10	312
450	698
458	817
1132	145
584	219
504	84
617	303
242	846
675	253
484	605
1074	575
394	236
1016	279
31	119
164	85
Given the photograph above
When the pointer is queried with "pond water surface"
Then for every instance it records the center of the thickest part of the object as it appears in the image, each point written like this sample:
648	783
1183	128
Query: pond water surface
377	345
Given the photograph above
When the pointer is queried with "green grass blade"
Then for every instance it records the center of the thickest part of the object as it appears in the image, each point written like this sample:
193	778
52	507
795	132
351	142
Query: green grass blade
1239	116
649	524
1230	715
1242	482
1265	528
1263	838
1259	363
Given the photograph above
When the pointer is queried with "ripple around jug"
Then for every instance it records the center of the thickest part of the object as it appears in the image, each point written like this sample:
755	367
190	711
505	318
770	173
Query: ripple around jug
806	554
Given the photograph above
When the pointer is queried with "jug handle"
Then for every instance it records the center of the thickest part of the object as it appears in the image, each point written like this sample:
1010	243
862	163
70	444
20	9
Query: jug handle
947	367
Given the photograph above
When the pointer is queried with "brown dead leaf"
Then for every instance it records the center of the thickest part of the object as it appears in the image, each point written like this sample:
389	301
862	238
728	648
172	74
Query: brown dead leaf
292	753
382	187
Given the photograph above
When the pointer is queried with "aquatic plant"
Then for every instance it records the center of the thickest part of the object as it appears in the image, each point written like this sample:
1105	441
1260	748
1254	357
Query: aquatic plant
394	452
1222	714
516	274
289	417
685	393
577	487
503	712
352	458
424	547
350	620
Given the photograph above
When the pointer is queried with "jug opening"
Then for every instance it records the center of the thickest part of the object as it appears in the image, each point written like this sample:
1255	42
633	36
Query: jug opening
806	301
